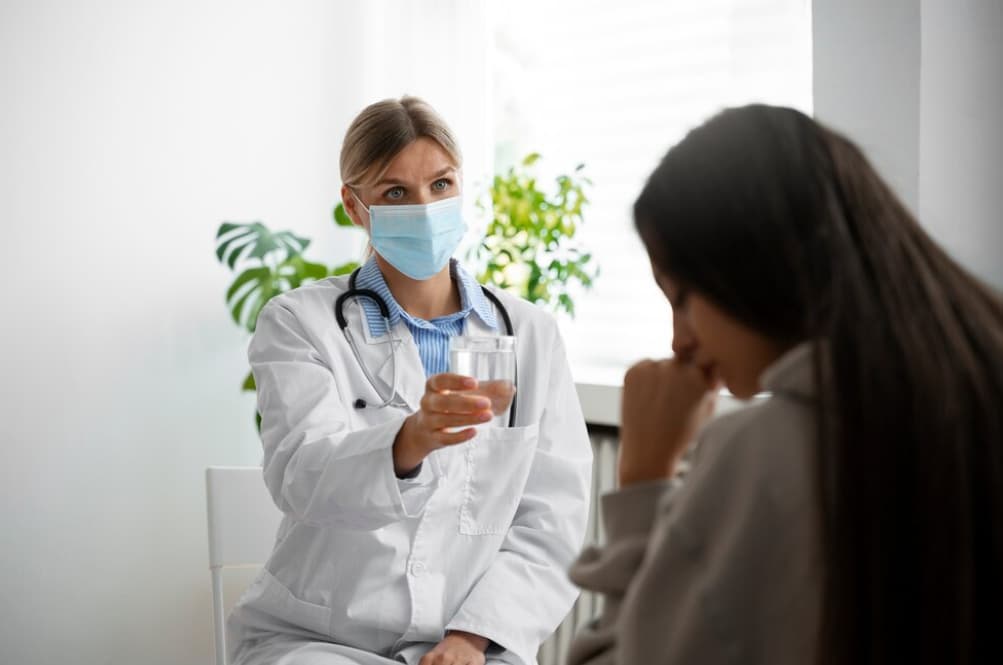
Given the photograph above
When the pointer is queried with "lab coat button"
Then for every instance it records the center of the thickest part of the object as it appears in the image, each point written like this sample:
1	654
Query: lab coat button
417	568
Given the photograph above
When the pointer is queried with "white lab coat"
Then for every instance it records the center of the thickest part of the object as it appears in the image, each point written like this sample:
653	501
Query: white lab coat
479	541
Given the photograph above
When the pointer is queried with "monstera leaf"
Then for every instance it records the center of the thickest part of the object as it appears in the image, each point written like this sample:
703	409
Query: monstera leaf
235	242
256	286
267	263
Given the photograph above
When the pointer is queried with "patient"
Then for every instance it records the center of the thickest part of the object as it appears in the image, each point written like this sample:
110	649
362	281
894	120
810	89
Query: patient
855	515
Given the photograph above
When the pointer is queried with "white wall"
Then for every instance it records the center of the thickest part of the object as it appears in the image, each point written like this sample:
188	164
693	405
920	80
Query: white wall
961	131
919	86
129	131
866	82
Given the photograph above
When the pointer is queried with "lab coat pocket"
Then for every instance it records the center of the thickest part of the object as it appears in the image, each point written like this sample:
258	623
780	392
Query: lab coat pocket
275	599
498	461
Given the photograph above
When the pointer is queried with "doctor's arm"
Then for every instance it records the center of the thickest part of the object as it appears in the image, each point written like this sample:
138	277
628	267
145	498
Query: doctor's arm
317	469
525	594
438	421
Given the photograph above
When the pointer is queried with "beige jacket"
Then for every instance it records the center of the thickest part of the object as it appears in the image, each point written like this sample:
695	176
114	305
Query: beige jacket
723	566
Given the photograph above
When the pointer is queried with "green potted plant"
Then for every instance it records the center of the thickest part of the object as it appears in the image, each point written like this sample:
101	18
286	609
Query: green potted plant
267	263
529	246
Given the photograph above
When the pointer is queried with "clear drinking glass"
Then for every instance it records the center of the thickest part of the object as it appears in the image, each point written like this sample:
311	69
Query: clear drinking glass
490	360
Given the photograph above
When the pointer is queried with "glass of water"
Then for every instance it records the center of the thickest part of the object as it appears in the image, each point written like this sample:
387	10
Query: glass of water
491	360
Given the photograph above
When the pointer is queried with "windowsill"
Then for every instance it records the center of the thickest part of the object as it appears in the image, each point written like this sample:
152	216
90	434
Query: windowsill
601	402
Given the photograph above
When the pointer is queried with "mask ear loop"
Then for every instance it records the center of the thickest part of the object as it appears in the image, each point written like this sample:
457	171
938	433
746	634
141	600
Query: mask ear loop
364	206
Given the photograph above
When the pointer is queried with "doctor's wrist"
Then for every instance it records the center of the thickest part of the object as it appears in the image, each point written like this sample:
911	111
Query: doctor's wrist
474	640
408	454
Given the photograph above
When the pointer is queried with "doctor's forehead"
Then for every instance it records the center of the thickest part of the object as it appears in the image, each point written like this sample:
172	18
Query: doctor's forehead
421	160
404	179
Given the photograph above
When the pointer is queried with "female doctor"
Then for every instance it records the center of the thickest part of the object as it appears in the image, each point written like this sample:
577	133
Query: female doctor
409	534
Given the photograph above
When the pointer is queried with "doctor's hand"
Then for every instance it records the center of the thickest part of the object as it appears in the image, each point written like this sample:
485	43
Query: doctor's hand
448	410
457	648
664	403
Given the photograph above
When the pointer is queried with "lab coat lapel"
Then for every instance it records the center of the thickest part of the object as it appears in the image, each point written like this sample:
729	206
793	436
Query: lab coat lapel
410	372
375	352
476	328
377	355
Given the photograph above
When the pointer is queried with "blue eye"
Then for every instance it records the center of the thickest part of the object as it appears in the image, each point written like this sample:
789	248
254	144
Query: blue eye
394	193
441	185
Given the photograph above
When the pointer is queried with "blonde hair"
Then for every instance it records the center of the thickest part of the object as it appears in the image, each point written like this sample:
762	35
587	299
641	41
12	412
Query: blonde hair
385	128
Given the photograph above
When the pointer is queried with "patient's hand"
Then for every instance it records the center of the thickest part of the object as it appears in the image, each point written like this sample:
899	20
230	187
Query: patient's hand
663	404
457	648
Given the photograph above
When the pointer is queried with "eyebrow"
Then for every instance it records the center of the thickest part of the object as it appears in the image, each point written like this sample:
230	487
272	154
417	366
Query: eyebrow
394	181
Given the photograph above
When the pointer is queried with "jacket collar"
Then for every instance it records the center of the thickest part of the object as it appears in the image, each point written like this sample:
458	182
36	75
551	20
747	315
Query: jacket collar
792	373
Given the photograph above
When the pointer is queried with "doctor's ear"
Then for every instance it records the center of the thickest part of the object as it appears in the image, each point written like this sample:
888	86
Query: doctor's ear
352	206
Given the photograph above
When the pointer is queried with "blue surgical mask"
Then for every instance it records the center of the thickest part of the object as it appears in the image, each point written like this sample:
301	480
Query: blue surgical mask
417	239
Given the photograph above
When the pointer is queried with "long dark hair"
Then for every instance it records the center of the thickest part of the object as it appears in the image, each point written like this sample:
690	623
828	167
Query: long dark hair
785	225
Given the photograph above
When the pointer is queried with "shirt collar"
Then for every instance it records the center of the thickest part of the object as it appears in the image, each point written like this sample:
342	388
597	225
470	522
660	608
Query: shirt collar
472	298
793	372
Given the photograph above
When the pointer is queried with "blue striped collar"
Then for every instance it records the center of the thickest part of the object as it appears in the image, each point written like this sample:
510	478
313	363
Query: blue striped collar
472	299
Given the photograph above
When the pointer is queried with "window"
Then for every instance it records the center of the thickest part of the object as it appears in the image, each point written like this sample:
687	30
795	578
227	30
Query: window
614	85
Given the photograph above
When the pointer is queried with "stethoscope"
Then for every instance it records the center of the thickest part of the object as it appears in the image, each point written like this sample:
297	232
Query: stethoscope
339	315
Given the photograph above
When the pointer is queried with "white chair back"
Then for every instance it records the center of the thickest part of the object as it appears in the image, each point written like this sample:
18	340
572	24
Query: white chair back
242	520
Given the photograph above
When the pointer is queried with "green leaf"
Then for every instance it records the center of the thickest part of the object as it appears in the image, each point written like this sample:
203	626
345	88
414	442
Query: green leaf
249	275
237	308
255	241
251	321
344	268
341	217
530	234
226	227
268	242
297	270
224	245
314	270
248	385
250	291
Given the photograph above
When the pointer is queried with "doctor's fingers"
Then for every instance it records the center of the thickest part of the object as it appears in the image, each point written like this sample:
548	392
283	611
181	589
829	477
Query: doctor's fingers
447	382
442	421
449	658
454	403
442	438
